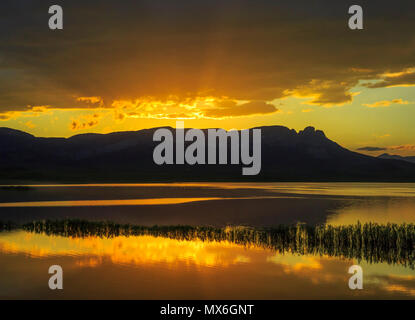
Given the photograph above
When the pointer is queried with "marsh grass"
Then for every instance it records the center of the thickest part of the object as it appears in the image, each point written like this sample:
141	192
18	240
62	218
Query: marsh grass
370	242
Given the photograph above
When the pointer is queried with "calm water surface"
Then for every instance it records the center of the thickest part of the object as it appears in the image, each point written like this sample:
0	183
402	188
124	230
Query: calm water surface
156	267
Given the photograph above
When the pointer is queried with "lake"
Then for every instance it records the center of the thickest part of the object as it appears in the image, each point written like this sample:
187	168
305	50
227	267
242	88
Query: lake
183	265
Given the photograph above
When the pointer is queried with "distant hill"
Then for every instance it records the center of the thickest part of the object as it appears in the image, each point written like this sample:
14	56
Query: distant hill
287	155
396	157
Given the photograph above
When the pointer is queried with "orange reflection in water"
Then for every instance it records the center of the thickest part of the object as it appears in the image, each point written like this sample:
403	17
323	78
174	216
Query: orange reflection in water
378	189
153	265
92	203
383	211
136	250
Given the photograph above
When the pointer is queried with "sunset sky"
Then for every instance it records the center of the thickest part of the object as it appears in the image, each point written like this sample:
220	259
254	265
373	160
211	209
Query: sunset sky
129	65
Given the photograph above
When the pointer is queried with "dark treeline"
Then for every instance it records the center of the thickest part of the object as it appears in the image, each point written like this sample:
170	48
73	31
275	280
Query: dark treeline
370	242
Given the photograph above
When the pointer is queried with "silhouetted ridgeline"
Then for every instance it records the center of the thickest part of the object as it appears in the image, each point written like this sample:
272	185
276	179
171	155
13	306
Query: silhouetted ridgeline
397	157
287	155
370	242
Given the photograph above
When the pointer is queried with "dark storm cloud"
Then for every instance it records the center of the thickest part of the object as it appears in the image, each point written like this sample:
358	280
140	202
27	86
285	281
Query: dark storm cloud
244	50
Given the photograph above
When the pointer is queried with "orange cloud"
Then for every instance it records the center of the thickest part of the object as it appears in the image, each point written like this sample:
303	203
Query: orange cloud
189	108
4	116
405	147
105	61
403	78
84	122
385	103
232	109
325	93
91	100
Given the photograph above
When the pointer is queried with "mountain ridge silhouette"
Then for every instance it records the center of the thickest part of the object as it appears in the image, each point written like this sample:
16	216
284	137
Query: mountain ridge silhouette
396	157
127	156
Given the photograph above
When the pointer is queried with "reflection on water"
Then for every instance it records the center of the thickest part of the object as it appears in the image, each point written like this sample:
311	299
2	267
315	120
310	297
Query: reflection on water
346	188
313	188
389	210
135	250
104	203
257	204
158	267
106	260
391	243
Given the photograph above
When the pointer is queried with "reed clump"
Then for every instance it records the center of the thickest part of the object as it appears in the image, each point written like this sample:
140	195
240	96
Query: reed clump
370	242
